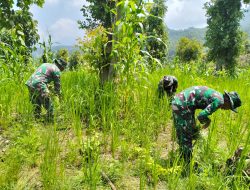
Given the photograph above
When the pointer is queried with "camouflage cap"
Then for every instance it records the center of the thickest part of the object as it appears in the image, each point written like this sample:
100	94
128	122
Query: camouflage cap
169	81
234	100
61	63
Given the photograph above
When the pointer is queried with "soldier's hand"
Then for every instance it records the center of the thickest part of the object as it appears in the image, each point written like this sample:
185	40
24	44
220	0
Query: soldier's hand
206	125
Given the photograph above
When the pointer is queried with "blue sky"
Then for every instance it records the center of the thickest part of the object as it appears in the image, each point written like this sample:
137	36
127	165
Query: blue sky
59	18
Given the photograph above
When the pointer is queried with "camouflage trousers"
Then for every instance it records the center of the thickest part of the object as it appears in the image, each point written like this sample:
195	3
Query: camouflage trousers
186	130
38	100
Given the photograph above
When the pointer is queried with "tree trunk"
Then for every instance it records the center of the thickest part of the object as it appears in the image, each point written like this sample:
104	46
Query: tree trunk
219	64
106	71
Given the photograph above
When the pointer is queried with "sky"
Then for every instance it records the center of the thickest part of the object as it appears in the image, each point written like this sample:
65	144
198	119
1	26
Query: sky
59	18
183	14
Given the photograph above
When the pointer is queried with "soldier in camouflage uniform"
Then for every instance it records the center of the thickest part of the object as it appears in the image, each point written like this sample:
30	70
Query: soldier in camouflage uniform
184	105
38	89
168	84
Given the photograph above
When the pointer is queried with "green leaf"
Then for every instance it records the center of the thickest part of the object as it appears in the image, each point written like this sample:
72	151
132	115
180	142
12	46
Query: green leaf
21	40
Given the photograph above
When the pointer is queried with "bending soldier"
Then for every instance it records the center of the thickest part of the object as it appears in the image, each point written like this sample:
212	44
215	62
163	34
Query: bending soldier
38	86
184	105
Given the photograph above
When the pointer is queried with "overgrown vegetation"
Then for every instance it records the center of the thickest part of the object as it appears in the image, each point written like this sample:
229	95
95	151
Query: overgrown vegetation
117	133
122	130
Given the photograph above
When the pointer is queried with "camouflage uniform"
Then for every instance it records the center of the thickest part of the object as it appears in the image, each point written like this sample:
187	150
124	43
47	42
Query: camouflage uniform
168	84
184	105
38	89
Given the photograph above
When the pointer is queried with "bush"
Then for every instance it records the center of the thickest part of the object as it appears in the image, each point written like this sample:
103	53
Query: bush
188	50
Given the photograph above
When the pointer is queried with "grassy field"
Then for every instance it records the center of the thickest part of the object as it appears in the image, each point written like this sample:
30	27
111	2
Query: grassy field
120	134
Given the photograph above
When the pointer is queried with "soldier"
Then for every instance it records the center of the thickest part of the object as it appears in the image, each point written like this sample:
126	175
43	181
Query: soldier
167	84
38	89
184	105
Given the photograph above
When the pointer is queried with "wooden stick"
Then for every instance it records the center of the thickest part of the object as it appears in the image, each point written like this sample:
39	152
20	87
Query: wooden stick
108	180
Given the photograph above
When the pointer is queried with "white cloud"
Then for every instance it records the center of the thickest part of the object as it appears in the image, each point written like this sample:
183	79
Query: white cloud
78	3
185	13
65	30
52	2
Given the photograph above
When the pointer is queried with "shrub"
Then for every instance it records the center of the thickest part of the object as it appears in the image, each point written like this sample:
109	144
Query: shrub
188	50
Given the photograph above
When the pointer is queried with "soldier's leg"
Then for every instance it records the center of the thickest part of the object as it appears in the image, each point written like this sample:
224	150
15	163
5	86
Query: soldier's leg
184	134
49	107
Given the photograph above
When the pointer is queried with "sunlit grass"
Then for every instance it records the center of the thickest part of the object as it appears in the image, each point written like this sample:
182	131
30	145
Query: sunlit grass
120	129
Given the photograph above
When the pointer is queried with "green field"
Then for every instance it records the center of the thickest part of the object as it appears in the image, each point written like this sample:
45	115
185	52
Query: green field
120	134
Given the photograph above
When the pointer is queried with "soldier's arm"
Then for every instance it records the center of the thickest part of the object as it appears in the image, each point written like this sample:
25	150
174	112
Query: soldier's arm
211	108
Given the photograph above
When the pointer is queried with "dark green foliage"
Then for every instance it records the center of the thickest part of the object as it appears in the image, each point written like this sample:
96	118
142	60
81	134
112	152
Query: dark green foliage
20	19
98	12
188	50
28	27
157	30
223	35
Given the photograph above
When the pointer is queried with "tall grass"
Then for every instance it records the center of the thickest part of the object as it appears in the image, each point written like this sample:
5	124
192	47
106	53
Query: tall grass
121	129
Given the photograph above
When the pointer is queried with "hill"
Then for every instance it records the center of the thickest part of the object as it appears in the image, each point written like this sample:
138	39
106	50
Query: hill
39	51
192	33
199	33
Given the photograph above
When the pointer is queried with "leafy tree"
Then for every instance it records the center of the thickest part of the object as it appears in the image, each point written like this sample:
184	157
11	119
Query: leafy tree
20	19
223	35
157	31
99	12
188	49
92	47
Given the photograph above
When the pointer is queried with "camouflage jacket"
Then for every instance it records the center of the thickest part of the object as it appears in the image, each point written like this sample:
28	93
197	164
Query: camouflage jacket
45	74
199	97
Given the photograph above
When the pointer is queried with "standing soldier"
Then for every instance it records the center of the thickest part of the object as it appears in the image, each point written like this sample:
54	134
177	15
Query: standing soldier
184	105
168	84
38	89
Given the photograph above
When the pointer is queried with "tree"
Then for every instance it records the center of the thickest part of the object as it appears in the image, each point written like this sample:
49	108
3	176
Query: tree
97	13
20	19
223	35
157	31
92	46
188	49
